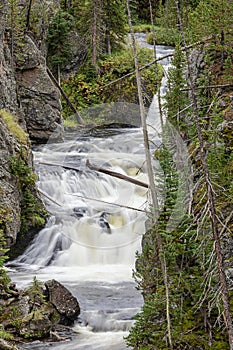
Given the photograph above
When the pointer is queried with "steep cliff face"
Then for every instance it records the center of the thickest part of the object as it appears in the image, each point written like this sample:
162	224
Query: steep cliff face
30	111
25	87
21	211
8	97
9	192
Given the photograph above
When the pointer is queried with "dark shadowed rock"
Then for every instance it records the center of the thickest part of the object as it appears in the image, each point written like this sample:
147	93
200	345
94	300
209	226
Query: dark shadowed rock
64	302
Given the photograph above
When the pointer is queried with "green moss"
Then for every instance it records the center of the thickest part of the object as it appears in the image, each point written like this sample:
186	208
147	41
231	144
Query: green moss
14	127
5	335
33	213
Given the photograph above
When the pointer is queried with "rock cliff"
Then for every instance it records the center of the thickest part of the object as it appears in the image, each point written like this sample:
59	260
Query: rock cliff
22	212
25	87
30	112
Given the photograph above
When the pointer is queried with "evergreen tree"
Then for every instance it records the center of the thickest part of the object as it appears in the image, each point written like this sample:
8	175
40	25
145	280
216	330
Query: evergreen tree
194	298
176	98
212	21
16	25
59	47
101	24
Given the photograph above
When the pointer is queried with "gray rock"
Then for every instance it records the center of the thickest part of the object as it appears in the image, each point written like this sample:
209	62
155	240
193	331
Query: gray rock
25	87
30	57
64	302
10	194
29	314
39	98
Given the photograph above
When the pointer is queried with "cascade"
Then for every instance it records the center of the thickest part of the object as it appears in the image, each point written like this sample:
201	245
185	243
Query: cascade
94	230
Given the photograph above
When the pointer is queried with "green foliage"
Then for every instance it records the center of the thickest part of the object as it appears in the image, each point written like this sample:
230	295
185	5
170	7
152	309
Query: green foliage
164	36
5	335
87	88
142	28
176	97
14	127
16	24
192	281
111	26
141	9
35	291
211	20
59	46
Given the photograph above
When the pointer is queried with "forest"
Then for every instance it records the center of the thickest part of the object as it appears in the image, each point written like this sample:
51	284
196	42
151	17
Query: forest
184	271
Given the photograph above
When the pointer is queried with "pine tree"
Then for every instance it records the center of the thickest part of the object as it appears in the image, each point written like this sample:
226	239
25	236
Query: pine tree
16	25
101	24
176	98
59	47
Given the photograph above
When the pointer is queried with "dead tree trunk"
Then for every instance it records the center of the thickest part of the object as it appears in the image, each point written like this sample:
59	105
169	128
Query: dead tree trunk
94	34
70	104
155	212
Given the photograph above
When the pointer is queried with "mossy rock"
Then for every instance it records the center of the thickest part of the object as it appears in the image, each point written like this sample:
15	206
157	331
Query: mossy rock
13	126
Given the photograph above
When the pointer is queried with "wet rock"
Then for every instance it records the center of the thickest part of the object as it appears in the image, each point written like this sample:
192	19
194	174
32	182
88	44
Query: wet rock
30	315
104	224
64	302
79	212
10	193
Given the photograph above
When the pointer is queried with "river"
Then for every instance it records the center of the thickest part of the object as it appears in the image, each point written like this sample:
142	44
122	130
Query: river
95	228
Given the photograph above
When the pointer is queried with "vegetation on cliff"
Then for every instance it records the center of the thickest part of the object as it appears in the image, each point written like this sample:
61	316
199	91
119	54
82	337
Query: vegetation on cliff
198	316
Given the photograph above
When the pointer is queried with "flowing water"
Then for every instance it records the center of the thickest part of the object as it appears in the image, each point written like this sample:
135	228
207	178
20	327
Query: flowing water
95	228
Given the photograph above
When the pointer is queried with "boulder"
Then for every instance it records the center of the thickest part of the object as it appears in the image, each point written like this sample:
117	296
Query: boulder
39	98
64	302
34	312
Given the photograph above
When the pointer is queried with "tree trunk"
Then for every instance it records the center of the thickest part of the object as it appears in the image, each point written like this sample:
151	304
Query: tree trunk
143	121
70	104
94	35
29	14
155	208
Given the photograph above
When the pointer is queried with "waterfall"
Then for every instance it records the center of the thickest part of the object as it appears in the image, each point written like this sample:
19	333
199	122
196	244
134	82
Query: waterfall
95	219
95	226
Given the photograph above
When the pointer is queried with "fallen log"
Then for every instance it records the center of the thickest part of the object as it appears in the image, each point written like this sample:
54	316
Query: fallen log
115	174
101	170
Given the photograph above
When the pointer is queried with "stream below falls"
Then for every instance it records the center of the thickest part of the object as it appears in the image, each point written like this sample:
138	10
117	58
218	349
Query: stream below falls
95	228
